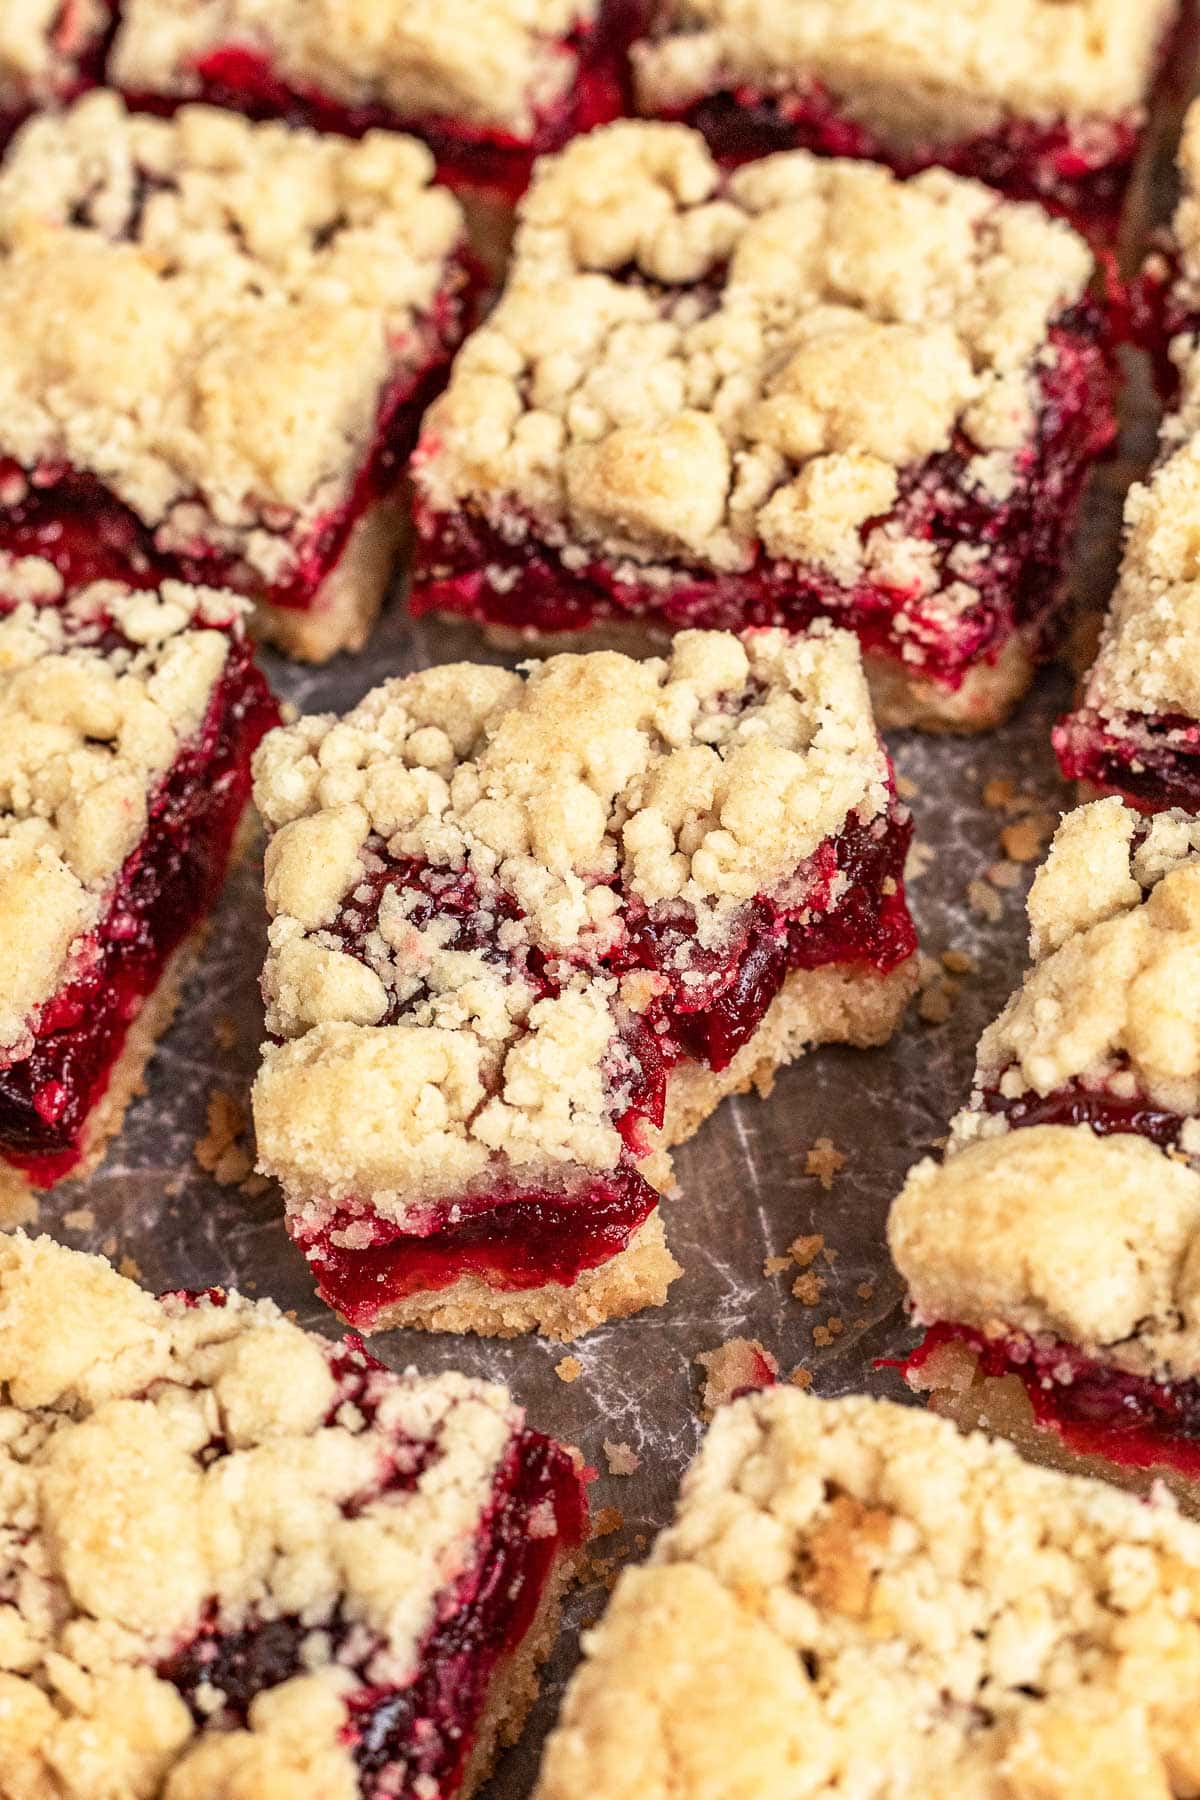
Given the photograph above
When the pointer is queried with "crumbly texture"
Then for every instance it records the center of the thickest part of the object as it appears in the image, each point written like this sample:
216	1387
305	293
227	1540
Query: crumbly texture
87	731
203	313
1054	1229
344	607
856	1599
1113	997
491	63
688	369
588	785
122	1529
40	48
1185	222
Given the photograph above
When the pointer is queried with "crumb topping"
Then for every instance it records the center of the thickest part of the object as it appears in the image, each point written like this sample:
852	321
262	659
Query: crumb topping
1185	223
168	1467
691	368
1054	1229
929	72
485	62
854	1598
203	313
568	801
39	48
1114	993
97	694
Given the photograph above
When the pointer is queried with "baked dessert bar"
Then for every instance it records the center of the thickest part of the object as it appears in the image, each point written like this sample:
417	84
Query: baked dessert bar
1051	1255
804	390
50	50
488	84
217	340
1165	297
855	1599
528	929
1044	99
241	1560
127	722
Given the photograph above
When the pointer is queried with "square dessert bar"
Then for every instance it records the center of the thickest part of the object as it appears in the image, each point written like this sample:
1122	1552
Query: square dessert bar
50	50
804	390
216	340
1044	99
528	929
488	84
856	1600
240	1560
127	722
1055	1256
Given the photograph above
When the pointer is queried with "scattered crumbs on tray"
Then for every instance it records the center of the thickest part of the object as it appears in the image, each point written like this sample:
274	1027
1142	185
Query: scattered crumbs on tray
824	1161
775	1265
999	794
109	1247
958	962
1005	874
920	857
569	1368
81	1219
823	1335
907	790
606	1521
865	1290
1025	840
733	1368
805	1250
801	1377
808	1288
220	1152
984	901
621	1459
225	1031
132	1269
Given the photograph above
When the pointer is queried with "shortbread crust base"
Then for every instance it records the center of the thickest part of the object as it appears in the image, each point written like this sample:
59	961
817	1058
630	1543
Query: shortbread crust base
843	1003
983	699
345	606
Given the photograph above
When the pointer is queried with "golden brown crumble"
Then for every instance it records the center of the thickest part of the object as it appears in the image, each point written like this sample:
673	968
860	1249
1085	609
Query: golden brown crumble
121	1532
202	313
569	1369
926	71
798	333
824	1160
854	1598
86	733
220	1152
483	62
705	778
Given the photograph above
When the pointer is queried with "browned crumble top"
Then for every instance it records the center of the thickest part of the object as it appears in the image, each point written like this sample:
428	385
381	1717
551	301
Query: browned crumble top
203	313
35	58
86	733
855	1599
485	62
120	1530
795	336
703	779
917	72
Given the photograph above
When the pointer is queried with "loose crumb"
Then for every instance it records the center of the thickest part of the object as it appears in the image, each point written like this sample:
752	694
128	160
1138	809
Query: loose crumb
219	1152
808	1288
835	1326
801	1377
109	1247
736	1367
920	857
82	1219
775	1265
1024	841
254	1185
805	1250
936	1002
907	790
984	901
1005	874
958	962
824	1161
225	1031
569	1369
822	1337
865	1290
130	1268
621	1459
998	793
607	1520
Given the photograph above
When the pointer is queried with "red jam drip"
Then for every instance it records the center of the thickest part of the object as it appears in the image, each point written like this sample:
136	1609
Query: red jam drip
1097	1410
409	1740
1156	766
1106	1113
469	157
72	520
1019	582
169	883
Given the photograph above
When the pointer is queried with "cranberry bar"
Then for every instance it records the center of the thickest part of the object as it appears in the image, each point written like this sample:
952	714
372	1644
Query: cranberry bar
242	1561
853	1599
50	50
488	84
1044	99
127	723
805	390
217	340
1055	1257
528	929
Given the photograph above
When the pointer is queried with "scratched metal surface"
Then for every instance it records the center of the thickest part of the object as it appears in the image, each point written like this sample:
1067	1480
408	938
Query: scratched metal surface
745	1193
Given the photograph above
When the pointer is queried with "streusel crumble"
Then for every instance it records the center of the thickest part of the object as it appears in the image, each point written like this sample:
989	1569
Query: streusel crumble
855	1599
50	50
804	390
241	1560
217	339
528	929
1045	99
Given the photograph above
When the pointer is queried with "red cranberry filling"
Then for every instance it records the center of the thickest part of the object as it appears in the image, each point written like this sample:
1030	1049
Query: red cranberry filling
407	1741
468	156
72	520
170	882
1076	1104
1019	582
1096	1409
1156	766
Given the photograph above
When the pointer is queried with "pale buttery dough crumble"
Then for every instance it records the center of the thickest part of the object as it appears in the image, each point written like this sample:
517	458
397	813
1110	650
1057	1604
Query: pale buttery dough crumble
203	313
914	72
491	63
583	787
124	1532
684	367
40	44
87	730
855	1599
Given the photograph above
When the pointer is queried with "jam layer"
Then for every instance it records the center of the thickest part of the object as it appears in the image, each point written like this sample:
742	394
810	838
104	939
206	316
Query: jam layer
1104	1111
169	884
1097	1410
416	1739
70	519
485	571
1157	765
